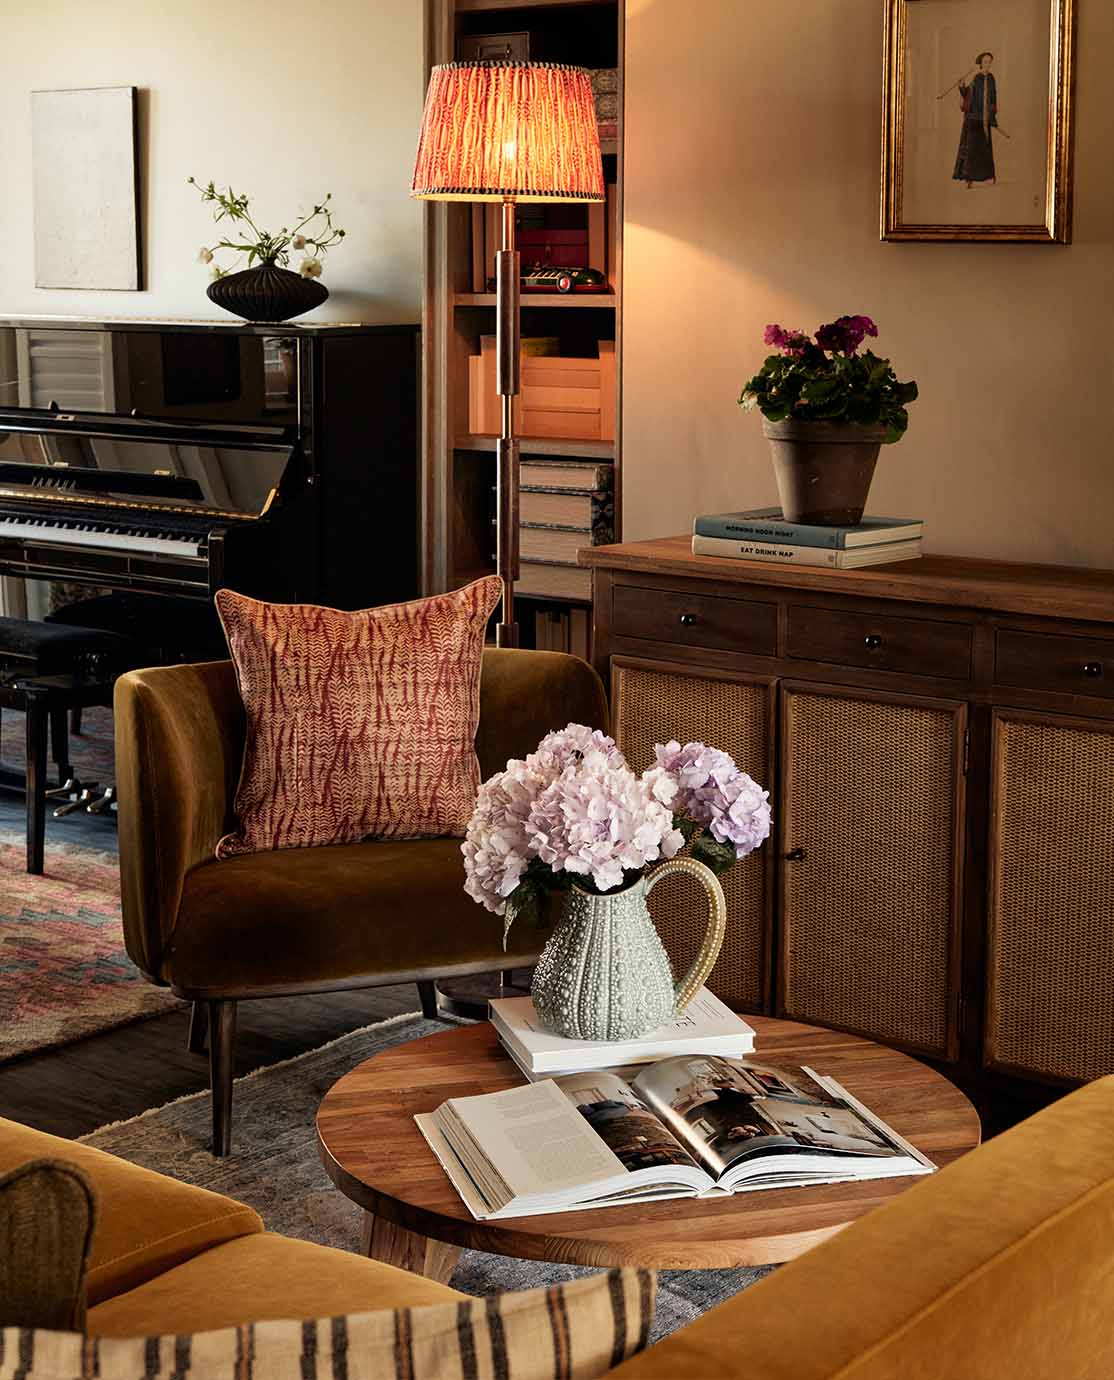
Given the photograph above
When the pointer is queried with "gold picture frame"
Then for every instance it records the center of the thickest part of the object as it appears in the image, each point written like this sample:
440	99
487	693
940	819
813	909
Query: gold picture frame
928	125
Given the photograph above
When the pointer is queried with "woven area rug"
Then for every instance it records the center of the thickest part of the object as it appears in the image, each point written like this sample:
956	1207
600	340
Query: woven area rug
63	970
274	1167
91	750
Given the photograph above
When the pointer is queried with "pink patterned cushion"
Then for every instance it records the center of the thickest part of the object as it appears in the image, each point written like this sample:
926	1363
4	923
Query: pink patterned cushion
359	725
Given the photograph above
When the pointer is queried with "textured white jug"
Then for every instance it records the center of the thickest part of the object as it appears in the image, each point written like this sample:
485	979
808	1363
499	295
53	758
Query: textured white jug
604	973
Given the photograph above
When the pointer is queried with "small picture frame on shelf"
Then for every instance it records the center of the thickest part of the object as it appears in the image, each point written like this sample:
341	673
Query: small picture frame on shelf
977	121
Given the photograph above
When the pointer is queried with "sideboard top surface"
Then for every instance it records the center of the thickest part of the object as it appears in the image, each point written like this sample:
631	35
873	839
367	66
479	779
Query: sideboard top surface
957	581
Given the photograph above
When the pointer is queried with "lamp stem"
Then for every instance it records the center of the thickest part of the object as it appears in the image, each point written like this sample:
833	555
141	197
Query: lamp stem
508	352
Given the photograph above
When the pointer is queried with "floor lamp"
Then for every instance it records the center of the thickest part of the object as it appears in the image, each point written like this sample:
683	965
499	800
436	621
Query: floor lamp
508	132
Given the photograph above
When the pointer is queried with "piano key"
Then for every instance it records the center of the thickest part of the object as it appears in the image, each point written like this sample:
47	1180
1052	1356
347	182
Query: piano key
64	534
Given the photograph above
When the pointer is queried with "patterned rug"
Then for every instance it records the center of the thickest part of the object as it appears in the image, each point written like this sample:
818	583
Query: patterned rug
274	1167
91	750
63	970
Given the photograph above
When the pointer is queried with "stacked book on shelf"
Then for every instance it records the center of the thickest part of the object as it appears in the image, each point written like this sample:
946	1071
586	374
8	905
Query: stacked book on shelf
563	505
706	1026
762	534
700	1117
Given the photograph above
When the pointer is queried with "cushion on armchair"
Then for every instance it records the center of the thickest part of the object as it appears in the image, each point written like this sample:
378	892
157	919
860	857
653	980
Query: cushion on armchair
359	725
574	1331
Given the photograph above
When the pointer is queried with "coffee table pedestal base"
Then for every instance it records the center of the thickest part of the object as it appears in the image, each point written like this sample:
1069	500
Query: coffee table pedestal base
394	1245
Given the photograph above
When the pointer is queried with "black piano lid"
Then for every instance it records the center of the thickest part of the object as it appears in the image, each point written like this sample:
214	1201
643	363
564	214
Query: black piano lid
152	468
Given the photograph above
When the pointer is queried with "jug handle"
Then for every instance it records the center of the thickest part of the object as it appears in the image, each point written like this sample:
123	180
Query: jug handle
690	984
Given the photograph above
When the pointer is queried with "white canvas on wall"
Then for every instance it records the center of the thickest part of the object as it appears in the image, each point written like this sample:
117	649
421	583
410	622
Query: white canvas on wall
86	213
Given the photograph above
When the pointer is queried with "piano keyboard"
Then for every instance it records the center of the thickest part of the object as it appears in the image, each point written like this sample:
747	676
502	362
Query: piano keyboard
53	532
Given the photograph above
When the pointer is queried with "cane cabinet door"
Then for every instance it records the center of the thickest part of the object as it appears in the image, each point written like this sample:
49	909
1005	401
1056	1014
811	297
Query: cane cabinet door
654	703
1050	936
871	828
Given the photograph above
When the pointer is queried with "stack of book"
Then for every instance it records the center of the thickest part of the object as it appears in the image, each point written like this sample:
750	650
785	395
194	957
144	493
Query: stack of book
563	505
706	1026
764	535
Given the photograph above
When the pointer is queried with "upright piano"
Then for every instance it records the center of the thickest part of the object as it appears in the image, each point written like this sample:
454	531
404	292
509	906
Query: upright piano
171	459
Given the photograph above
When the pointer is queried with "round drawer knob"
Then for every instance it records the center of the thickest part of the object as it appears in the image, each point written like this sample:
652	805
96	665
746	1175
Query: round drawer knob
796	855
873	641
688	620
1092	668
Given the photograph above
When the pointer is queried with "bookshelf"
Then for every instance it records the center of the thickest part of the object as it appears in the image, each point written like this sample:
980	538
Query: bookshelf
459	307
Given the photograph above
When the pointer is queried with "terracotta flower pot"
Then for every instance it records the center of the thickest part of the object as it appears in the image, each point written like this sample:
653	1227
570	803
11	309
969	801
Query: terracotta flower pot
823	469
267	293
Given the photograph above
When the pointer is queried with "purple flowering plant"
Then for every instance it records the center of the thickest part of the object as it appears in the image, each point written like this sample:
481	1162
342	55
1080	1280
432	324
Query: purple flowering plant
574	812
827	377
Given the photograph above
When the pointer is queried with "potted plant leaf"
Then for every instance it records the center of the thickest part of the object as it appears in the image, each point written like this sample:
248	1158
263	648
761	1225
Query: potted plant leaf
827	407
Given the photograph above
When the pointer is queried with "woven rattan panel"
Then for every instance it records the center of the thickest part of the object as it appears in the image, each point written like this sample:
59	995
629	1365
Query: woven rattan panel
1052	920
651	707
870	796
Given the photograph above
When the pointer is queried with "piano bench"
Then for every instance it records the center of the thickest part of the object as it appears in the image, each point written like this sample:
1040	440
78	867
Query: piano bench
46	670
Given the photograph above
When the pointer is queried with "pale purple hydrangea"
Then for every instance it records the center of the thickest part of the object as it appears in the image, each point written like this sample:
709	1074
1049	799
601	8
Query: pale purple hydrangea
598	820
577	806
496	846
711	790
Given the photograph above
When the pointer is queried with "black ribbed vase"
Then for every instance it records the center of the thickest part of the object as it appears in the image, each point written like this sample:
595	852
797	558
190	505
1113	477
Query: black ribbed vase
267	293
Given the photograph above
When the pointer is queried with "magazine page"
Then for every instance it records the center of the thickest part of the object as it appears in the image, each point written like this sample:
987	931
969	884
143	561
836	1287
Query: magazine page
634	1134
730	1111
526	1142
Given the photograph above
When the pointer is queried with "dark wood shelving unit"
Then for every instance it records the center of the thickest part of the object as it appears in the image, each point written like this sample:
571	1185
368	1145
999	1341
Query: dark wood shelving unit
459	473
544	445
598	300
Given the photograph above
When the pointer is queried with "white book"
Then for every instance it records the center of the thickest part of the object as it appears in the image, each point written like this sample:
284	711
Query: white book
693	1126
706	1026
782	553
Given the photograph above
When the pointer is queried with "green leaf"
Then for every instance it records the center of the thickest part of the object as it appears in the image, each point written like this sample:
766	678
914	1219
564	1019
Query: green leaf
718	856
688	827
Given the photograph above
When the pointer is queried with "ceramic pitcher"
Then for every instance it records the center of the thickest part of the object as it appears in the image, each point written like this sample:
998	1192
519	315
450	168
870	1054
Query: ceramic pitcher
604	973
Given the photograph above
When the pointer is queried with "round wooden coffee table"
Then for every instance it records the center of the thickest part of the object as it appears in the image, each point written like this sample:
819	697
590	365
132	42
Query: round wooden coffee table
375	1154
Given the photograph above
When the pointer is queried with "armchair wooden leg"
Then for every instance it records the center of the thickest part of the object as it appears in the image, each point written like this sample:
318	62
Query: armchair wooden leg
198	1042
428	993
222	1043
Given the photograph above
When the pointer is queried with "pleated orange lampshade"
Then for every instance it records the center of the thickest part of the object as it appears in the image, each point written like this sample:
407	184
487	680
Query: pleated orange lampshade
497	130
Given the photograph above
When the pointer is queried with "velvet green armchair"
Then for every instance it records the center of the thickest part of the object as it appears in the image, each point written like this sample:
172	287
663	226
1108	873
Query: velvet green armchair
301	919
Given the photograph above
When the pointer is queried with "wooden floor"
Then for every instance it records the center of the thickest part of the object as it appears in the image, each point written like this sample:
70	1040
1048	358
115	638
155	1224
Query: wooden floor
108	1077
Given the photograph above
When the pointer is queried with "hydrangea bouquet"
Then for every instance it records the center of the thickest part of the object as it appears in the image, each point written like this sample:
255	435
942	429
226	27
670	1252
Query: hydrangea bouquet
574	813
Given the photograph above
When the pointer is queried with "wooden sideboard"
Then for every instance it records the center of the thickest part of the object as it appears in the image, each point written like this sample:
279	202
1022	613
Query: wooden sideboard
937	737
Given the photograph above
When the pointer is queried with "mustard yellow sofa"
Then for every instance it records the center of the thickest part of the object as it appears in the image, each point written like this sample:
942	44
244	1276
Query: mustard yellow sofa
301	919
1000	1267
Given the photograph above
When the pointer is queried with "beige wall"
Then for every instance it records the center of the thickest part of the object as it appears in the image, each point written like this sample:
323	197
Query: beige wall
284	100
752	148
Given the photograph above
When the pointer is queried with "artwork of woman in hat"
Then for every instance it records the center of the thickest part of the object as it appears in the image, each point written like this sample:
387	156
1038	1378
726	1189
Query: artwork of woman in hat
978	95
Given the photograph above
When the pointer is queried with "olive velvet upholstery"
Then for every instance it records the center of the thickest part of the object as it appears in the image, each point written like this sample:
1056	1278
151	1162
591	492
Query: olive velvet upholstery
301	919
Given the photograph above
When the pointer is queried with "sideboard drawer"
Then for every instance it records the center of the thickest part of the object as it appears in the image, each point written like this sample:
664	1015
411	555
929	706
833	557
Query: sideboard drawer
695	620
917	646
1071	665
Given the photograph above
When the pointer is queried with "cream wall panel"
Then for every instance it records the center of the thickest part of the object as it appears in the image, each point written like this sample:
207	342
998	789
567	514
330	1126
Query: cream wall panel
283	100
752	155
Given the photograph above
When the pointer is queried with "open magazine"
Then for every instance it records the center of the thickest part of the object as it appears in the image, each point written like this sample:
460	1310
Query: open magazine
693	1126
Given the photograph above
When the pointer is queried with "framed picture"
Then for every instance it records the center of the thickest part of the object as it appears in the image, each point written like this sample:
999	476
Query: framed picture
83	146
977	121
